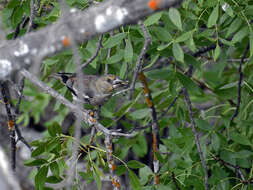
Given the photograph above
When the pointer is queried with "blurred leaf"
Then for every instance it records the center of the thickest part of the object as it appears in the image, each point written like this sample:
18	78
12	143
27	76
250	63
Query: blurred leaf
37	162
234	26
229	85
128	51
251	43
134	164
241	139
227	8
39	150
140	147
139	114
175	18
152	19
160	74
185	36
53	179
204	125
123	70
188	84
54	129
16	16
40	178
216	52
161	33
97	177
212	20
240	34
54	168
120	170
115	58
134	181
114	40
178	52
242	154
13	3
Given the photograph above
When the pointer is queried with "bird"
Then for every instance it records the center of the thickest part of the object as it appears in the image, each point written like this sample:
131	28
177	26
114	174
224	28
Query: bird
97	89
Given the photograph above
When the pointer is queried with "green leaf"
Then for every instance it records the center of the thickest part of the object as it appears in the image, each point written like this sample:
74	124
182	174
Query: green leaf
183	37
53	179
216	52
145	173
193	61
115	58
152	62
156	74
154	18
229	85
134	164
240	34
163	46
120	170
114	40
41	177
251	43
212	20
39	150
175	18
204	125
16	16
54	129
215	140
242	154
178	52
240	139
37	162
140	113
13	4
161	33
234	26
54	168
227	8
97	177
123	70
134	181
128	51
140	147
188	84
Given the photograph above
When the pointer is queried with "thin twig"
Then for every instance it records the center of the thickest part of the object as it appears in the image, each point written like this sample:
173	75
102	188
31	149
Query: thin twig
32	7
171	104
237	168
240	84
155	125
11	125
174	181
99	45
138	66
196	136
19	134
109	155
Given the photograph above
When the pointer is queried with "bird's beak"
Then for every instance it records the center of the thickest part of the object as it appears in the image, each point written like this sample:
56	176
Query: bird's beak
119	83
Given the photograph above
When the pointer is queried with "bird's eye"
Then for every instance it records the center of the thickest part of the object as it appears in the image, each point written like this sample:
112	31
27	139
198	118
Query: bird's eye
109	80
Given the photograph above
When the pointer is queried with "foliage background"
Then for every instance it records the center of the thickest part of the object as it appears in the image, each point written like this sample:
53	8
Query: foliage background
220	31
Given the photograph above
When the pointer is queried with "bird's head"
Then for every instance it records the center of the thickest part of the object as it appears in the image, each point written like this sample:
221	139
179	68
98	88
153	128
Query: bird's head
110	82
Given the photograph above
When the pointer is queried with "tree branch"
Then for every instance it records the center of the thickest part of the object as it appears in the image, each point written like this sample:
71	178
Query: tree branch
54	38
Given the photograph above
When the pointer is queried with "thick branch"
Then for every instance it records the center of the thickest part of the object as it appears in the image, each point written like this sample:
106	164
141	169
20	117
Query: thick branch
54	38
